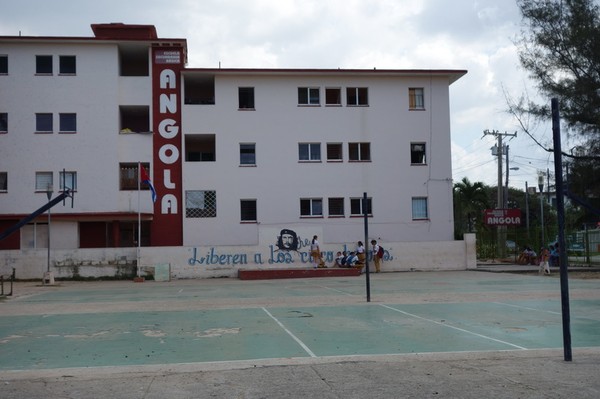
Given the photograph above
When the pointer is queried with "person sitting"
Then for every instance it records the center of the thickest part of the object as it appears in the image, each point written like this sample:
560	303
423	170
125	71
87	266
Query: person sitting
351	260
527	257
339	258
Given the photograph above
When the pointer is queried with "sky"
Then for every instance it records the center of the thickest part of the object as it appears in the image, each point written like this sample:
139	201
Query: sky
474	35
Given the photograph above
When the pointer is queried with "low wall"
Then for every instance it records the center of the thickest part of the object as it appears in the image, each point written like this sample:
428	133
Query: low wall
225	261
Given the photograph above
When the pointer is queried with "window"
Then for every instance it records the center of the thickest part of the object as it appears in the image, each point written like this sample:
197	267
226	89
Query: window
67	65
34	235
309	151
417	154
359	151
134	118
357	96
43	64
200	147
128	176
308	96
356	207
3	122
3	182
68	180
43	123
133	60
67	123
247	154
334	152
419	208
3	64
311	207
416	98
248	210
200	204
336	207
333	96
43	181
199	89
246	97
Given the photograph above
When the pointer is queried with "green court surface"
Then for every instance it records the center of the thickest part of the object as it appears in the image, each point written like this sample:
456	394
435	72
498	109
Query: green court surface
96	324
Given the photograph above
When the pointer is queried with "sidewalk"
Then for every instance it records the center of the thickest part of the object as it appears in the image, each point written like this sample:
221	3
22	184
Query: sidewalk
498	375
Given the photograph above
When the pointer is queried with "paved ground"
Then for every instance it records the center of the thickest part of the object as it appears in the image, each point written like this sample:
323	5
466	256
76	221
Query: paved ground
442	334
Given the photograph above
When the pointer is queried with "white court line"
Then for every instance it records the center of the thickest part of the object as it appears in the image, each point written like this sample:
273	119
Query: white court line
453	327
527	308
333	289
306	348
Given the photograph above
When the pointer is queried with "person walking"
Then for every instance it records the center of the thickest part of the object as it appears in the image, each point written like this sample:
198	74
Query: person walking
376	258
360	252
315	253
544	258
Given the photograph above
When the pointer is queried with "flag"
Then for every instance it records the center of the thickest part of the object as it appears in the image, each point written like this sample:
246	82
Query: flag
146	179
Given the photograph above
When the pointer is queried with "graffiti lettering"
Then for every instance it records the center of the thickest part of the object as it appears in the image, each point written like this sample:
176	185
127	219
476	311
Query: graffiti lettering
212	258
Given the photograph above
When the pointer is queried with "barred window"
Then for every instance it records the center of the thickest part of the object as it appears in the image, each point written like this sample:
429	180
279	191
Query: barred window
336	207
200	204
334	152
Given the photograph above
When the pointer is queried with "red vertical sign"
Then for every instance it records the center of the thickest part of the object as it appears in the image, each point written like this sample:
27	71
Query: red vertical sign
167	225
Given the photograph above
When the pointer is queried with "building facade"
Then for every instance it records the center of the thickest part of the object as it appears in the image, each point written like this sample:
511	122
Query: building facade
236	156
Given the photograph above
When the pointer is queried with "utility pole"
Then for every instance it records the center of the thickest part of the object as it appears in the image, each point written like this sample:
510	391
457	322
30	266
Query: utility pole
500	204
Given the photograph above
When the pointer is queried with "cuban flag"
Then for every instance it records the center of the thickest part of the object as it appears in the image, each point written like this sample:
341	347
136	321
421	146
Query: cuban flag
146	179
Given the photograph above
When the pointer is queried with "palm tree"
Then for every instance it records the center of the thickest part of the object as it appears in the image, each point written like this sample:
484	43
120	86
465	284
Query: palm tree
470	199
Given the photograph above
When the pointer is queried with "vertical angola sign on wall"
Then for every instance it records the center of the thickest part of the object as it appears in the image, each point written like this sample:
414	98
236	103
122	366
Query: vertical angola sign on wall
502	217
167	224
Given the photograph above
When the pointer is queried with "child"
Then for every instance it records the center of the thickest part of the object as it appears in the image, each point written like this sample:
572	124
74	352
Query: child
339	259
544	257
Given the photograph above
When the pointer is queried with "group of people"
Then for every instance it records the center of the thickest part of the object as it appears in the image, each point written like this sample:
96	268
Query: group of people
548	257
348	259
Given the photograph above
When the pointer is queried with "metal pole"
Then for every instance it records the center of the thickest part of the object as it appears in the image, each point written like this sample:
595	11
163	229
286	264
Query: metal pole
366	217
560	207
541	187
500	229
527	208
49	195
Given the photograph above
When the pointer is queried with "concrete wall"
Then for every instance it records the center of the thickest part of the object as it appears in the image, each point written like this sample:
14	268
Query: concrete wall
225	261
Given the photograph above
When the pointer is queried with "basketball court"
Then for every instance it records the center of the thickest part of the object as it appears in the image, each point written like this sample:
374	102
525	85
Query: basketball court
82	328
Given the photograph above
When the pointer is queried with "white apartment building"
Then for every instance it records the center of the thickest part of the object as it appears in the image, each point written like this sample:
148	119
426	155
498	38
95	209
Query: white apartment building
237	156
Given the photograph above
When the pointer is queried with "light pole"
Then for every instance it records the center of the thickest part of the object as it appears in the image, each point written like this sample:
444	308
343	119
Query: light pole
541	186
49	191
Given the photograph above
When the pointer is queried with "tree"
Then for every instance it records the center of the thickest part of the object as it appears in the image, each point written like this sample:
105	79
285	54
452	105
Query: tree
559	46
470	199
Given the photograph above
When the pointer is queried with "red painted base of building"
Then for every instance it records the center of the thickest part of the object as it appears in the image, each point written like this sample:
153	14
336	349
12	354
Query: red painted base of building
267	274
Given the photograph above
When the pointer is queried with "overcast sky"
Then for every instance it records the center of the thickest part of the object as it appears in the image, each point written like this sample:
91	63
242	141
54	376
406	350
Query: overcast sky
476	35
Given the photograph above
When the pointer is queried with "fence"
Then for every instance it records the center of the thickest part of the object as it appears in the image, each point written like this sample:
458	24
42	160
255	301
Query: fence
583	246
